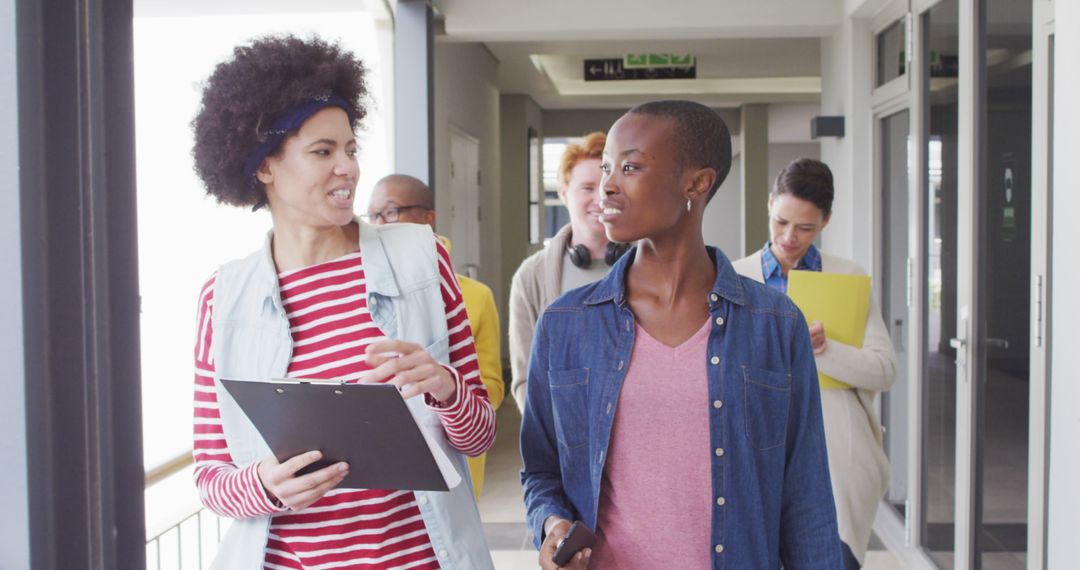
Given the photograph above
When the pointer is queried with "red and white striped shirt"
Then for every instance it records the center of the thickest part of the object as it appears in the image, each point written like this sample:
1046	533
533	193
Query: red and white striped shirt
331	327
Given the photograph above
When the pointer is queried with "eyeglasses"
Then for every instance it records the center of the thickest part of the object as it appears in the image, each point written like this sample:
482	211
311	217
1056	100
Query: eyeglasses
391	214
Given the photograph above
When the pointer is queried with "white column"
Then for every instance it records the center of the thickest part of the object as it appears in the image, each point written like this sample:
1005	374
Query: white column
15	524
846	83
756	178
1064	494
414	139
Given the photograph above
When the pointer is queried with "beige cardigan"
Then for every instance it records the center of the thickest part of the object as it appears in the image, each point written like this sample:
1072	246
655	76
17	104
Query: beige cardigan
857	462
536	284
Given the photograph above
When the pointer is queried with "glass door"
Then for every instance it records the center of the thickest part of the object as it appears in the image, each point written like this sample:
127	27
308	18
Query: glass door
893	146
891	104
993	285
1003	250
970	287
938	260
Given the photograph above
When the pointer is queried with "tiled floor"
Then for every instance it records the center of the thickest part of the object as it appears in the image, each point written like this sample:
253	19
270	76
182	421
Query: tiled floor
503	511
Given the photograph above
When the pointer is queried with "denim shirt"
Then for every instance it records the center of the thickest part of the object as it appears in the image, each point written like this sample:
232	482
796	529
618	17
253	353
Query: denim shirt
773	273
767	451
252	342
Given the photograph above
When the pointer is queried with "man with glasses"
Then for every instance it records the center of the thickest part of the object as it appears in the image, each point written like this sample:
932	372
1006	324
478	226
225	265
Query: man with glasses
402	198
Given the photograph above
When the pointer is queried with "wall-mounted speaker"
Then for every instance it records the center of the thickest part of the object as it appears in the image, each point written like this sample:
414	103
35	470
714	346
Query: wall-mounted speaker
822	126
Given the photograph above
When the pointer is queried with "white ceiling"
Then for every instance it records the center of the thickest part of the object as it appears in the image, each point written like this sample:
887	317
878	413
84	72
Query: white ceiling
161	8
730	72
746	50
576	20
759	51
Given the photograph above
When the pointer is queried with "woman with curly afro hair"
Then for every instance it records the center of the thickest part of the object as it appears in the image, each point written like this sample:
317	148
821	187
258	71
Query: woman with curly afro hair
327	297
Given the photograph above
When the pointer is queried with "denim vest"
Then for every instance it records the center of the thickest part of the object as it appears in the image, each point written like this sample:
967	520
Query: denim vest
252	342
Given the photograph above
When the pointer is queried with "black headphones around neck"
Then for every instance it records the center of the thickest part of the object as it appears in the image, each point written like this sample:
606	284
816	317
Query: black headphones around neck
580	256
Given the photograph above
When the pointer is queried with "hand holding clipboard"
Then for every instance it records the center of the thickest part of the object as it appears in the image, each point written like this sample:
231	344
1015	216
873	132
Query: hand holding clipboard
354	435
297	492
368	426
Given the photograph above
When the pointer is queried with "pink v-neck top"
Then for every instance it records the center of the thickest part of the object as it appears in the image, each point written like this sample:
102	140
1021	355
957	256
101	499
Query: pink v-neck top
655	497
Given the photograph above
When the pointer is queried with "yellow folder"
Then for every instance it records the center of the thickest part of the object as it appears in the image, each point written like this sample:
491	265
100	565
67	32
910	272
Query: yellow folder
839	301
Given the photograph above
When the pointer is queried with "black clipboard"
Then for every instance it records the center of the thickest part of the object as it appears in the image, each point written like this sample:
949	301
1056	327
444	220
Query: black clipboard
367	425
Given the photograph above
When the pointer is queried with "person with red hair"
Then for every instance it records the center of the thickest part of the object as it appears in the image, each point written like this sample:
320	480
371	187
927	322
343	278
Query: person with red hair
568	261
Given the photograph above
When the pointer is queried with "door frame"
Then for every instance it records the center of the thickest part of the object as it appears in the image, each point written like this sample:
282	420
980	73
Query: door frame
971	171
902	534
970	159
78	272
1041	248
917	246
913	328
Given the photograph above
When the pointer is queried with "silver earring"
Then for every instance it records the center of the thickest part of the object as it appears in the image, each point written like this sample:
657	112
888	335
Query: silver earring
688	204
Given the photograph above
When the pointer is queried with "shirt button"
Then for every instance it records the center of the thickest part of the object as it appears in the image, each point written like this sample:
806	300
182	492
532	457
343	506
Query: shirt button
373	301
715	360
719	321
717	404
720	501
442	553
719	548
423	500
714	297
719	451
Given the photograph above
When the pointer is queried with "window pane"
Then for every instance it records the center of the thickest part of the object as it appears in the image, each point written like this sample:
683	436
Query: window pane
555	214
891	55
534	189
184	236
893	131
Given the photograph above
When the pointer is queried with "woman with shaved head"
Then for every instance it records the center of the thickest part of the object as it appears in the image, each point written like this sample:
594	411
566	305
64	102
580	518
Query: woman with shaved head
673	406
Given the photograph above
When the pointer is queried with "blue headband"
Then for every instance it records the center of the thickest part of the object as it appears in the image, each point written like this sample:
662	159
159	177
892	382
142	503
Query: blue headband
285	123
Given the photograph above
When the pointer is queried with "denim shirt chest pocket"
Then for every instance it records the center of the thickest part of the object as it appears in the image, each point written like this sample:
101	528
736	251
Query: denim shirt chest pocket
569	406
768	400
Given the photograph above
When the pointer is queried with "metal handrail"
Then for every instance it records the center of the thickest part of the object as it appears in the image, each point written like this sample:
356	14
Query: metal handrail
184	539
171	467
177	530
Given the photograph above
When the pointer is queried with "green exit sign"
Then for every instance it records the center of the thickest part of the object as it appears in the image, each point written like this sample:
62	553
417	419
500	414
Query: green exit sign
657	60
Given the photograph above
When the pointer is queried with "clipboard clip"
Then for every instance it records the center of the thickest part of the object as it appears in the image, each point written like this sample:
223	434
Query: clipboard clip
298	382
339	382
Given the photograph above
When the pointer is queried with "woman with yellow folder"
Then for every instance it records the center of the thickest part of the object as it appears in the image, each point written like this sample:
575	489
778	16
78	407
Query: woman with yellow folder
851	376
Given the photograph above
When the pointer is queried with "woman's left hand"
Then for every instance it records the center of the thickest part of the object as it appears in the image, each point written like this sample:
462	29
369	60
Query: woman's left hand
817	337
412	369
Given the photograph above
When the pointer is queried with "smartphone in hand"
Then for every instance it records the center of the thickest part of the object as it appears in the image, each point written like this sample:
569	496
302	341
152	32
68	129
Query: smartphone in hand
579	537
